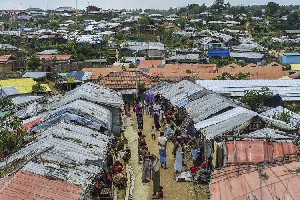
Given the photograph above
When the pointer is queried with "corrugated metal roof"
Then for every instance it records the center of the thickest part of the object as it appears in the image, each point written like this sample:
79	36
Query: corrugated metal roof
285	88
202	108
228	115
26	185
35	74
239	152
90	92
95	114
154	90
24	99
291	54
127	80
295	118
178	90
268	133
58	57
61	152
279	182
246	55
277	123
8	91
4	58
30	110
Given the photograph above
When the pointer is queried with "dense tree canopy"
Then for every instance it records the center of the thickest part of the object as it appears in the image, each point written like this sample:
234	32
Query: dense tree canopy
255	98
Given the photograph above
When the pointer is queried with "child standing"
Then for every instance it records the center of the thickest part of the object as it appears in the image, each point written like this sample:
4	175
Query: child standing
161	192
153	132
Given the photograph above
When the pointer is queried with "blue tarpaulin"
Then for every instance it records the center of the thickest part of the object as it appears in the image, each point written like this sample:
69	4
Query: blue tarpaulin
183	103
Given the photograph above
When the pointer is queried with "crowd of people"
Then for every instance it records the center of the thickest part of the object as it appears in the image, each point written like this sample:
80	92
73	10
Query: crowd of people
167	123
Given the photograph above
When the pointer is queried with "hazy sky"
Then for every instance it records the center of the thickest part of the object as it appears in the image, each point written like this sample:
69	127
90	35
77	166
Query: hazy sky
163	4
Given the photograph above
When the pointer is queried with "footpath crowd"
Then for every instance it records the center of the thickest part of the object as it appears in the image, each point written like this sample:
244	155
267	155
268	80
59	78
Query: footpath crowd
164	123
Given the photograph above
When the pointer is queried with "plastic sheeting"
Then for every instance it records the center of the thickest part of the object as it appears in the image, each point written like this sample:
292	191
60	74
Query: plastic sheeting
89	110
61	152
8	91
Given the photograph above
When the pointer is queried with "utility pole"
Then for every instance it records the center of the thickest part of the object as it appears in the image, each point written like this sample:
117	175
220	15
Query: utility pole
100	54
136	78
76	13
98	42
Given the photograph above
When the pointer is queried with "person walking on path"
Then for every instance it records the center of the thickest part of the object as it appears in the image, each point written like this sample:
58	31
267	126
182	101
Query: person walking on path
127	108
156	110
155	177
162	142
139	116
178	156
146	166
153	132
169	131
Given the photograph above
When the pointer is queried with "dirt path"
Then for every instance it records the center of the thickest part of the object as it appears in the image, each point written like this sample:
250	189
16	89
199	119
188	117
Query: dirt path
172	190
141	191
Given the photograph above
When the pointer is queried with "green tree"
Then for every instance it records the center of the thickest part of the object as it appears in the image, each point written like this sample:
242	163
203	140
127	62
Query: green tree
188	71
5	104
293	20
132	65
255	98
242	76
224	76
38	88
272	8
181	22
284	116
34	62
141	87
11	132
142	24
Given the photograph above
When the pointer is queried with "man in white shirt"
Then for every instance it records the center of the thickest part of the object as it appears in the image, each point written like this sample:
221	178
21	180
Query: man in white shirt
162	142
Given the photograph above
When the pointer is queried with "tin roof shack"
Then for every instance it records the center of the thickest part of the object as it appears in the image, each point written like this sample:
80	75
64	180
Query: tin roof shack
238	121
82	112
252	182
151	49
19	86
287	89
128	82
96	94
37	76
214	116
290	58
58	156
248	57
5	64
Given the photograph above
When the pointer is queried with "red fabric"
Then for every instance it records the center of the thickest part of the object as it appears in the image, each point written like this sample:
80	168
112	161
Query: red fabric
119	169
193	170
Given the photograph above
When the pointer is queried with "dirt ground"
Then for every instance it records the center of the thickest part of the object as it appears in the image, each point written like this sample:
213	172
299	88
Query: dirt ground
172	190
141	191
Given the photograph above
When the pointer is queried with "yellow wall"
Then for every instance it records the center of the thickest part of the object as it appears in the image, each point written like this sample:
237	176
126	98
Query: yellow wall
295	67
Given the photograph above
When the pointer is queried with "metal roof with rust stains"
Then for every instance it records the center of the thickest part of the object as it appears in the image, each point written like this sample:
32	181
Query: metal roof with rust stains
126	80
247	182
27	185
257	151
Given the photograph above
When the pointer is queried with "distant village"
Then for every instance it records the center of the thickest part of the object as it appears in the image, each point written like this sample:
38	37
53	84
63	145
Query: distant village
223	78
